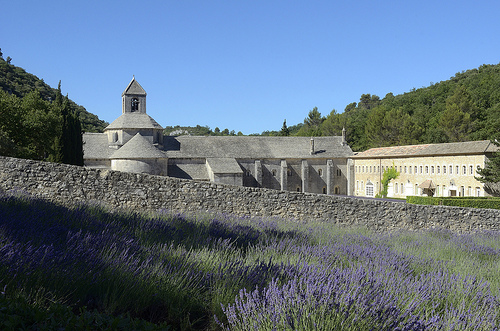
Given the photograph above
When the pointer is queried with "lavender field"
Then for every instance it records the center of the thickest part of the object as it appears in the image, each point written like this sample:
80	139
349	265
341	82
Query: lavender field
90	268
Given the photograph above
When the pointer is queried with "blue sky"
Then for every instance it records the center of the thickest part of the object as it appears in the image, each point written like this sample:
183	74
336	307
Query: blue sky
245	65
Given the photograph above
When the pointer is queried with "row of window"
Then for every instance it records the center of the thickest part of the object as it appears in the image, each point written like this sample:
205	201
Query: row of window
457	170
400	188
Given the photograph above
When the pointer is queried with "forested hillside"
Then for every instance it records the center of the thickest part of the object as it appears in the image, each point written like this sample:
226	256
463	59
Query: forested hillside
16	81
37	122
465	107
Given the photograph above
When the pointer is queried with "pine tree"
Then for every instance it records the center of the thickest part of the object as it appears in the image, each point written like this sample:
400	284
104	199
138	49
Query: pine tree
491	171
284	130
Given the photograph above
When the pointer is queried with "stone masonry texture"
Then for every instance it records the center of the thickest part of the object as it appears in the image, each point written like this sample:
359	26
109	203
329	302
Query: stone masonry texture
67	185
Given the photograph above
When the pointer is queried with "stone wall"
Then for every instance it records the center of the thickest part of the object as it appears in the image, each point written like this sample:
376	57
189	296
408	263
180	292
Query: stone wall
68	184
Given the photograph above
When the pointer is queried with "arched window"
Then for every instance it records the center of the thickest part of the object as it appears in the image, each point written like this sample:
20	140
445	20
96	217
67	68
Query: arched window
134	106
324	189
320	172
370	192
274	172
336	190
298	188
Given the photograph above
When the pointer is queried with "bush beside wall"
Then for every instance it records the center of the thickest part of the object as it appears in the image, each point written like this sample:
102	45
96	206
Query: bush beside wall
468	202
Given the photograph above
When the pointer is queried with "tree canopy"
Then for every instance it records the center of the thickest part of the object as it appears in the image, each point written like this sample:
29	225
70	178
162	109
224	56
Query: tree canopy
465	107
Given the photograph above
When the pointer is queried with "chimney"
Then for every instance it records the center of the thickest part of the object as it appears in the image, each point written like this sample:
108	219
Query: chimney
344	141
312	146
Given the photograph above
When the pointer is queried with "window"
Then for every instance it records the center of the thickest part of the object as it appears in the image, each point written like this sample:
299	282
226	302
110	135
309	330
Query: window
421	169
457	170
437	190
444	188
400	169
426	170
288	172
370	169
464	170
416	189
320	172
471	170
357	185
378	168
402	189
298	188
432	170
115	137
444	169
415	170
438	170
369	189
249	173
410	169
395	187
478	191
451	170
406	169
134	104
469	191
324	189
274	172
336	190
339	172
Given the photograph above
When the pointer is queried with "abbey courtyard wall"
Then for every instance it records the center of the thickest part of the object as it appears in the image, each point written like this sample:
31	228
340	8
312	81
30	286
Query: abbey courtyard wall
71	184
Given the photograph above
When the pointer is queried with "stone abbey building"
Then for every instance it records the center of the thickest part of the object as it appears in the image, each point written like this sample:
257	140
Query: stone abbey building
134	142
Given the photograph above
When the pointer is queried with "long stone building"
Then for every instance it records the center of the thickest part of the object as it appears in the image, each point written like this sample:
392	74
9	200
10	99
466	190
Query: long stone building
430	169
134	142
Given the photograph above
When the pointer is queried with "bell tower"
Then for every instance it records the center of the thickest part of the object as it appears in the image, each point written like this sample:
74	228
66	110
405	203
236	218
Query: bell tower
134	98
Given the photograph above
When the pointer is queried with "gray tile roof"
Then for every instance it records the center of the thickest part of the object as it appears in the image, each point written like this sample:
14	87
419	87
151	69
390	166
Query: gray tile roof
254	147
134	121
134	88
225	165
95	146
460	148
188	171
138	148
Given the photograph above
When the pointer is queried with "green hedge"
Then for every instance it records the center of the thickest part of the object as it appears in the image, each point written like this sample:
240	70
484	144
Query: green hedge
471	202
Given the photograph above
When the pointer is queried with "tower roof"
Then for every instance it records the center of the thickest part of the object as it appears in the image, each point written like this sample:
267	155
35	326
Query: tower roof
134	121
134	88
138	148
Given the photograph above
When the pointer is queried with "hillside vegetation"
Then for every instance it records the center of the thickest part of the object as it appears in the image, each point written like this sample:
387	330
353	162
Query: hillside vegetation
15	81
465	107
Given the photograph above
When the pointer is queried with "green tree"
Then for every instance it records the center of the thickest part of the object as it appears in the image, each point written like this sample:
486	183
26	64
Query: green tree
388	175
333	124
312	124
491	171
284	130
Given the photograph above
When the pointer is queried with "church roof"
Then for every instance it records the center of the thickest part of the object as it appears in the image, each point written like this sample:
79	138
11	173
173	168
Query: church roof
189	171
96	146
460	148
138	148
254	147
134	88
224	165
134	121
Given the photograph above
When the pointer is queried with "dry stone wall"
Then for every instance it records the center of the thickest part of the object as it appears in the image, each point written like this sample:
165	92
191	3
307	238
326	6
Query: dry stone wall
69	184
